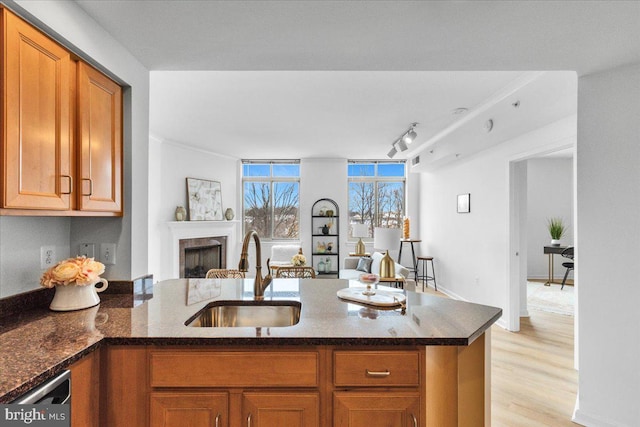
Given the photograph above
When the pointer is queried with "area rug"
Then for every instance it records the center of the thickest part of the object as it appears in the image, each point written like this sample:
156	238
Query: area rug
550	298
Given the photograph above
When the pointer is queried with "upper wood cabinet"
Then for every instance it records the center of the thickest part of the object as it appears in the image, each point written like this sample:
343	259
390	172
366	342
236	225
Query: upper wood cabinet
61	129
99	141
36	146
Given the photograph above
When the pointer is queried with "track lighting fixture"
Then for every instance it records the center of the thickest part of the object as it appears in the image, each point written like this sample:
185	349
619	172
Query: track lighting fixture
400	144
410	134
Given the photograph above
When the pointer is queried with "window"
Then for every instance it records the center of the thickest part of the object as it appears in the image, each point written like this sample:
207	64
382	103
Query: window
271	198
376	194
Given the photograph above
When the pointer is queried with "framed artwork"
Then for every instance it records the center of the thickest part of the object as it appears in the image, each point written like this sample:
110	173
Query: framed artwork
464	203
205	200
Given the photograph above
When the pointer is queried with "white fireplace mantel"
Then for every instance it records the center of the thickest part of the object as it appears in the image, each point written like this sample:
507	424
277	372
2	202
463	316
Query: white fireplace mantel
194	229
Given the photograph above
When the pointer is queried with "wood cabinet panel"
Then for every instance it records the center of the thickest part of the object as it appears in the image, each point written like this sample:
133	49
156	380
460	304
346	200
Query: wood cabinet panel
125	393
376	368
37	148
376	409
189	409
234	368
291	409
85	391
100	141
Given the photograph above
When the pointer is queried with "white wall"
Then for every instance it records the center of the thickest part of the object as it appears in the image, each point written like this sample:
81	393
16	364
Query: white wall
20	241
549	194
608	248
470	250
65	21
320	179
175	163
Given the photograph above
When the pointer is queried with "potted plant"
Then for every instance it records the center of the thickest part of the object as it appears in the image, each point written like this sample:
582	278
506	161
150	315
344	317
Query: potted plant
556	229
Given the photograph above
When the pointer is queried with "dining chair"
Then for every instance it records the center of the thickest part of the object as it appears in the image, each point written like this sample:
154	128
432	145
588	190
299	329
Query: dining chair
223	273
569	265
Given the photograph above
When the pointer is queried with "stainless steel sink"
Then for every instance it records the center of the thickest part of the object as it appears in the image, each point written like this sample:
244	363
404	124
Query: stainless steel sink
235	314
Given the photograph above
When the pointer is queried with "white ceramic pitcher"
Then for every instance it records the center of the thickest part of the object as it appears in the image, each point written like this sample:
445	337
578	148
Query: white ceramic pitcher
74	297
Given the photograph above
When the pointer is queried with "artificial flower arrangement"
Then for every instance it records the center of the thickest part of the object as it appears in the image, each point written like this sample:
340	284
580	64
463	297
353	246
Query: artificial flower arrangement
79	271
298	260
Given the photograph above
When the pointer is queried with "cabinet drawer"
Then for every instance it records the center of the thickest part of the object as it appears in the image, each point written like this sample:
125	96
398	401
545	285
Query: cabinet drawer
375	368
234	369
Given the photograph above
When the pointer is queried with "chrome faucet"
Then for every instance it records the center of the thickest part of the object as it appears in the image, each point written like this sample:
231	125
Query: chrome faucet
260	283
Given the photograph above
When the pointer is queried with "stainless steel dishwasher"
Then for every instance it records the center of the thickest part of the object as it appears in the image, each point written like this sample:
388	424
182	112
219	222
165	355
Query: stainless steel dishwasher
54	391
47	405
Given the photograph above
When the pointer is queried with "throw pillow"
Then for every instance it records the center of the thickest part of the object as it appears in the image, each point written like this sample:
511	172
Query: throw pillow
364	265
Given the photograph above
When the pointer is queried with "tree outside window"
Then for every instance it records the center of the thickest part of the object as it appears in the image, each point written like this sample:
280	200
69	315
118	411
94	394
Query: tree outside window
271	198
376	194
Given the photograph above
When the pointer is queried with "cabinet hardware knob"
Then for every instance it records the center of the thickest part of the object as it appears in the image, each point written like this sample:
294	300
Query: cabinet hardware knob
415	420
384	373
218	420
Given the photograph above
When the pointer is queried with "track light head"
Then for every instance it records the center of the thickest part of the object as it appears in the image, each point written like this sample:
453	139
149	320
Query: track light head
401	143
411	134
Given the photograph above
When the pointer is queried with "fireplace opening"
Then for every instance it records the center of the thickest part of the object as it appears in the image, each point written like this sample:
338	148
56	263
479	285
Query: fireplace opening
197	256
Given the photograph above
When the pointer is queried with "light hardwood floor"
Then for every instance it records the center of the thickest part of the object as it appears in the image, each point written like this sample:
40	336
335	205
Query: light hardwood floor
533	380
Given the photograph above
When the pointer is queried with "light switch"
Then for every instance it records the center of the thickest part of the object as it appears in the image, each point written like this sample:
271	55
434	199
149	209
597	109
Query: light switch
108	253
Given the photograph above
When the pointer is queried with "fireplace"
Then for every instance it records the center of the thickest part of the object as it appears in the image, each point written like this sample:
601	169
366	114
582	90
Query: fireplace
199	255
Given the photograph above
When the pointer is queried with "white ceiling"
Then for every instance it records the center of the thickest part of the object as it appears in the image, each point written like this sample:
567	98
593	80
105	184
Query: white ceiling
283	79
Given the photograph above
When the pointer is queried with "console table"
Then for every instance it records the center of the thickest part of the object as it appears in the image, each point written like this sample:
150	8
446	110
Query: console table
551	251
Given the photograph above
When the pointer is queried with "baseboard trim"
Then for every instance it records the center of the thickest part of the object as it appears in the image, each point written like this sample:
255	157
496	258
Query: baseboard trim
451	294
500	322
589	420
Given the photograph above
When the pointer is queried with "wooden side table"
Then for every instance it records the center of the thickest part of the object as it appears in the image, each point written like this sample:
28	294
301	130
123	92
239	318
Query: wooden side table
397	281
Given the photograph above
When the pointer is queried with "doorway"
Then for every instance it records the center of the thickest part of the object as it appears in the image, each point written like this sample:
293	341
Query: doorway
527	224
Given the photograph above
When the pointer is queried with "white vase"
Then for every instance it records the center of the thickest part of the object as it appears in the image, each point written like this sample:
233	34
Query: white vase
555	242
74	297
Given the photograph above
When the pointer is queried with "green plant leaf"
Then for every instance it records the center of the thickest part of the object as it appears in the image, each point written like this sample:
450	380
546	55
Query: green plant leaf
556	227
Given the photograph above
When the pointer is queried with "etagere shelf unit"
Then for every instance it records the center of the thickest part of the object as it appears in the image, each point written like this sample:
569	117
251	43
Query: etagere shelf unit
325	237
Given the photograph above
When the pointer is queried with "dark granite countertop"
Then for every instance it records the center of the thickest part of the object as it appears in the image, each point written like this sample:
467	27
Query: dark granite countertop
43	343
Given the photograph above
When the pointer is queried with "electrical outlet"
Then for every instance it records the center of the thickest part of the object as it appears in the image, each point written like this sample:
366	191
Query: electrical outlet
88	250
108	253
47	256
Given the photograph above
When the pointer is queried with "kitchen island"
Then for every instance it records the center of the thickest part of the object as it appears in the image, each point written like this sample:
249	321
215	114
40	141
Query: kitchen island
341	364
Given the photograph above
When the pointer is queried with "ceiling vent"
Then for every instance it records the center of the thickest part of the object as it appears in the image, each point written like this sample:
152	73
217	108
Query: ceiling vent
415	161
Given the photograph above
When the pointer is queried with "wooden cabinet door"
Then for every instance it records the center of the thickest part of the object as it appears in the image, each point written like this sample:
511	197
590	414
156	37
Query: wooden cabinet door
37	148
291	409
376	409
85	391
184	409
100	142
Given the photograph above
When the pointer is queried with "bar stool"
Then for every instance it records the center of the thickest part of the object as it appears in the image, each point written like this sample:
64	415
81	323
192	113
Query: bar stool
424	276
414	262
